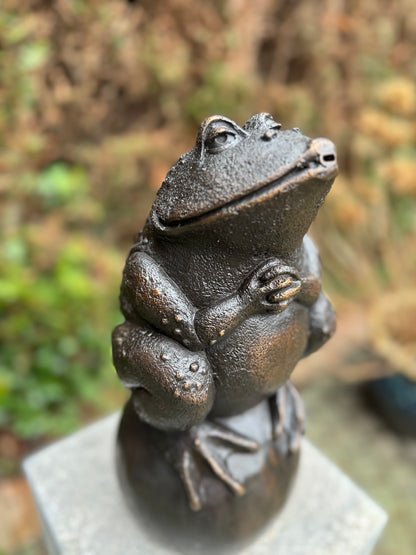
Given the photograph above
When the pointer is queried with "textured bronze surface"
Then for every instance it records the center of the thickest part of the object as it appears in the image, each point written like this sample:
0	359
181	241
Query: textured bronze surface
222	296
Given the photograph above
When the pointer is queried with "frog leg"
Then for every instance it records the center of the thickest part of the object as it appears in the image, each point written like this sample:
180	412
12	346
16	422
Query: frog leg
287	413
172	387
199	450
173	390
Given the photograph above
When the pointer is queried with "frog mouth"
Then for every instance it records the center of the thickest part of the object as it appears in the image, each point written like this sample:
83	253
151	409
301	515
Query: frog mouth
317	163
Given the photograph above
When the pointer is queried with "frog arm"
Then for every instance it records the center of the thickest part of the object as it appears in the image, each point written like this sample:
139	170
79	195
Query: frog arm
322	319
148	292
214	322
269	287
310	274
322	324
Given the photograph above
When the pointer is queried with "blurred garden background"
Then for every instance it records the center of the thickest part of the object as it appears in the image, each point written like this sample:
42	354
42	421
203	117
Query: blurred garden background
97	101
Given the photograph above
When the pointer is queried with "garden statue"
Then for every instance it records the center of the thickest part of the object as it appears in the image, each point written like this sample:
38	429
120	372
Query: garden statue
221	295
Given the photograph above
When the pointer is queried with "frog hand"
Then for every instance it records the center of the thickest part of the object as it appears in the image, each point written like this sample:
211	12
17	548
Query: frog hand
280	284
288	416
271	287
201	444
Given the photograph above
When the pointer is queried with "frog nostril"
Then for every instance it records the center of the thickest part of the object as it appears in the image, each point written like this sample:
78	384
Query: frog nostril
327	158
324	151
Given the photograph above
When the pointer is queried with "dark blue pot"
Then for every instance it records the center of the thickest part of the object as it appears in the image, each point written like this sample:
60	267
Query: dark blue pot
395	398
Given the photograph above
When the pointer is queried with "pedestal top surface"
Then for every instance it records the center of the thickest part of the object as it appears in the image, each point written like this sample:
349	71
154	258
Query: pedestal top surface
84	512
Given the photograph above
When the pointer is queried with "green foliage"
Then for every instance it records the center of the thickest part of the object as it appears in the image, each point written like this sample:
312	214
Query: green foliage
221	92
60	184
55	330
33	56
58	303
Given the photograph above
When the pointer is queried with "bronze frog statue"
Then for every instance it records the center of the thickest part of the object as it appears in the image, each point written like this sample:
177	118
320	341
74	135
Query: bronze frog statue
222	297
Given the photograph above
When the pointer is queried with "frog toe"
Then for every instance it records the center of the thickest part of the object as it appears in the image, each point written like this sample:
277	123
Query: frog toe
288	416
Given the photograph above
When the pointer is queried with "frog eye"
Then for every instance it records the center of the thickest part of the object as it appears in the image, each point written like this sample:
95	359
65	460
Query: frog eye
220	139
218	133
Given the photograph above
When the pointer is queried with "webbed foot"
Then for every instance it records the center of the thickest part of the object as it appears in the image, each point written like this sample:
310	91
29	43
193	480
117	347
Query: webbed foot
288	416
202	444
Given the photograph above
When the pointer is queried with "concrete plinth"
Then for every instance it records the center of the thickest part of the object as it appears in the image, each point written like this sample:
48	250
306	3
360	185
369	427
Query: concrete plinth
84	512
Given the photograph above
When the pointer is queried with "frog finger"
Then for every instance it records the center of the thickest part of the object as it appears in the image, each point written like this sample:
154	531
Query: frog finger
281	282
274	307
277	307
285	294
279	269
266	267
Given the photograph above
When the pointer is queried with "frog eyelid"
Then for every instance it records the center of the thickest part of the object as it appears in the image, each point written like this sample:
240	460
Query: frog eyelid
214	131
216	126
220	131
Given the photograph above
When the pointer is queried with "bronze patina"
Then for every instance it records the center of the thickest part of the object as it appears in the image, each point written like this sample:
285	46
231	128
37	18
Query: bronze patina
221	295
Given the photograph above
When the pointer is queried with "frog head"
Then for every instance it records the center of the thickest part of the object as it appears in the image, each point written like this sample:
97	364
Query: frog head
256	184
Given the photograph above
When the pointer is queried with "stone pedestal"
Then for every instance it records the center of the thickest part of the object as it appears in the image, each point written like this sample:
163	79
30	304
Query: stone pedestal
84	512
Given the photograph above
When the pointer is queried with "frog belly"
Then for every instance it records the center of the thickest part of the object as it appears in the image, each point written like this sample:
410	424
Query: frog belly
258	357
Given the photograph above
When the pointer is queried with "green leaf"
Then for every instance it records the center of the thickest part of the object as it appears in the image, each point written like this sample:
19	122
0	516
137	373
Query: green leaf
61	184
33	55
